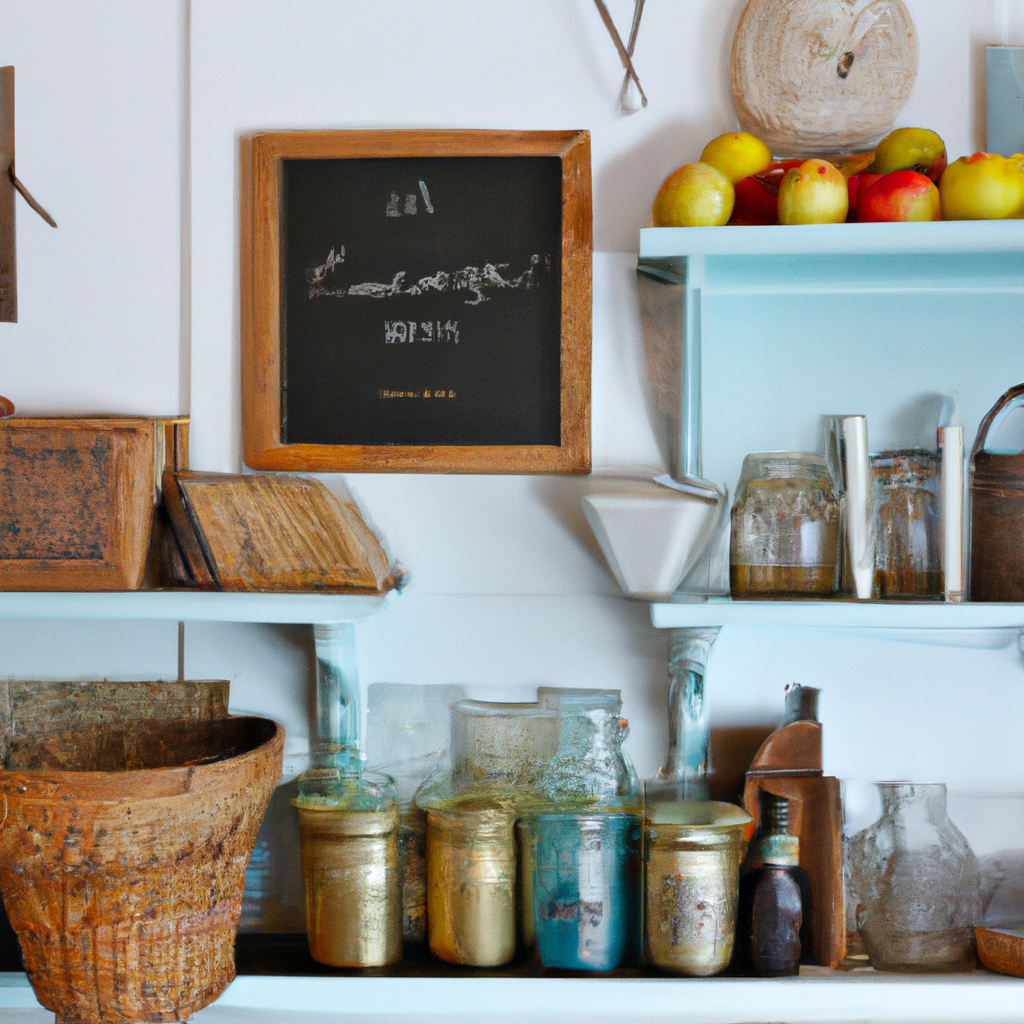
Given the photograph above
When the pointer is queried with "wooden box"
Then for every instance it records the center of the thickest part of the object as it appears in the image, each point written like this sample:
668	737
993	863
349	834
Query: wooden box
77	500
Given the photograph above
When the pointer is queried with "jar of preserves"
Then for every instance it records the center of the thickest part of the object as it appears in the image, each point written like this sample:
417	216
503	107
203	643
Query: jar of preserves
908	557
785	528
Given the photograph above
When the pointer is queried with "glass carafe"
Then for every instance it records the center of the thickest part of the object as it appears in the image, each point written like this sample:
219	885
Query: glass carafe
914	882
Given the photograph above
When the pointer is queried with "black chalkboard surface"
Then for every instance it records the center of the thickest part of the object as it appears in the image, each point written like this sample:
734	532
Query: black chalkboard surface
416	301
422	301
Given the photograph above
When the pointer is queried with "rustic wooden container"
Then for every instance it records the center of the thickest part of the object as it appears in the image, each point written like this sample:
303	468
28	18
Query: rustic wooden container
997	514
125	886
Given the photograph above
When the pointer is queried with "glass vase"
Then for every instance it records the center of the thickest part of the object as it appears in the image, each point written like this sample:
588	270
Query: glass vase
914	883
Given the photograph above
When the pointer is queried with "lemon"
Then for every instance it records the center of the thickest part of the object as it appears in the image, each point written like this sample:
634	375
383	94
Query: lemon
737	155
696	195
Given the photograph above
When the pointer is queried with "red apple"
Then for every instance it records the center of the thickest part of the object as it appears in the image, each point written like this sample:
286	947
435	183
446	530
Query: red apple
855	185
777	169
757	202
900	195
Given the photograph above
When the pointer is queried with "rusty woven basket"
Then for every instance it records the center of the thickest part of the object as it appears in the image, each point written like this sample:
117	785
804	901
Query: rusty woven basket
125	886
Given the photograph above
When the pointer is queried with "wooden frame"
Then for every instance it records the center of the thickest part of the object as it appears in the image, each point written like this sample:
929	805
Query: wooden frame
262	156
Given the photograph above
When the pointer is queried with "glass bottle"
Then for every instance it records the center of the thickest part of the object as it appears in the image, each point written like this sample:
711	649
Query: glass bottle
908	555
914	883
773	929
582	837
785	528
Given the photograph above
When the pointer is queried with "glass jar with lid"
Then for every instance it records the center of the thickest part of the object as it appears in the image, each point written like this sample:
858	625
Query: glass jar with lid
785	528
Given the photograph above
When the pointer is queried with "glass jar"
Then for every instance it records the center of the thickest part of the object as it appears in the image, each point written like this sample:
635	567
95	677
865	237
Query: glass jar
785	528
908	556
692	855
914	883
580	840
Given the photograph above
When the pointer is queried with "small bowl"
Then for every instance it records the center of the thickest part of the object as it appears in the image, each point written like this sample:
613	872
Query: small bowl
1001	949
652	535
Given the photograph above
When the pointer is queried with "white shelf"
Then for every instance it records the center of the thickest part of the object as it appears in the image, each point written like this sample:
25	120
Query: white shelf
191	606
835	239
822	996
869	615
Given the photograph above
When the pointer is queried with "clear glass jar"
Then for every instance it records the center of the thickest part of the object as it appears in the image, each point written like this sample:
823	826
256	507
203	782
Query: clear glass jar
785	528
914	883
908	555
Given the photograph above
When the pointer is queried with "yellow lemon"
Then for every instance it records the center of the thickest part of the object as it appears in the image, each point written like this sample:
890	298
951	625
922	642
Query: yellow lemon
918	149
694	196
737	155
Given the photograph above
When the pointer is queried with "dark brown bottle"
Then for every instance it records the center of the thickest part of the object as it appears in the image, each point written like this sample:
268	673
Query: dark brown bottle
773	922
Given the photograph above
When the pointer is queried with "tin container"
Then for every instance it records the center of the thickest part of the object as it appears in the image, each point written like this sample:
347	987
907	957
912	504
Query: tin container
350	869
471	883
692	854
997	513
585	888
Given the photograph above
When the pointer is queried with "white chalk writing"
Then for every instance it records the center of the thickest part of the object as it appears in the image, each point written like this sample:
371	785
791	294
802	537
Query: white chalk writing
476	280
315	275
402	332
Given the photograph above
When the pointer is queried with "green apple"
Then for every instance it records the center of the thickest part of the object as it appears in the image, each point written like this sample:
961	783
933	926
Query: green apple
911	149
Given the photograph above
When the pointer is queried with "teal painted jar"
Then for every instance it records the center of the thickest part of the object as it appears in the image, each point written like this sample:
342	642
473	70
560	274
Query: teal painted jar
585	888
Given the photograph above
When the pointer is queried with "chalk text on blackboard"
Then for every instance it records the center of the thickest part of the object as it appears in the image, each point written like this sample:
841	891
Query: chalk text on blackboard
409	206
402	332
384	393
476	280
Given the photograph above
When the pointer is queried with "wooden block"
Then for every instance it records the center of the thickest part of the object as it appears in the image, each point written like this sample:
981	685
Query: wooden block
76	503
816	817
8	260
57	724
793	747
265	532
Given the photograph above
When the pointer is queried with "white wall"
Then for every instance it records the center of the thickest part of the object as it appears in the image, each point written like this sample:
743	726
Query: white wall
128	123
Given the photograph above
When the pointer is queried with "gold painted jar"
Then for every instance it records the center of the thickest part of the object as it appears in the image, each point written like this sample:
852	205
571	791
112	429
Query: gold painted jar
471	883
692	855
353	895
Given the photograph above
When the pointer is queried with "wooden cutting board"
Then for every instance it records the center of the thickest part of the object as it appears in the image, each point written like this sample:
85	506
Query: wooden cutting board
268	532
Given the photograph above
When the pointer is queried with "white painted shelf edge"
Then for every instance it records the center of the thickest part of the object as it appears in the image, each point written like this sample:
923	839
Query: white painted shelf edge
835	239
849	997
192	606
872	615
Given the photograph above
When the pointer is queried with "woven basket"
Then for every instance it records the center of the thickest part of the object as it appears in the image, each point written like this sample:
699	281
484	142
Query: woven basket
125	886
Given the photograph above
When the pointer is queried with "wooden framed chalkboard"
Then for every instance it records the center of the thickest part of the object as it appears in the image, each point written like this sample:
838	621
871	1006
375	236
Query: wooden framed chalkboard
416	300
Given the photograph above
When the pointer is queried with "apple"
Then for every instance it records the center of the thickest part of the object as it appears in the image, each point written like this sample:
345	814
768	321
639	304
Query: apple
855	185
737	155
695	195
900	195
985	186
813	193
915	149
757	202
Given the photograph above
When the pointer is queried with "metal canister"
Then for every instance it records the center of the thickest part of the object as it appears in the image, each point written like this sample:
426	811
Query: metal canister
585	888
691	879
412	865
471	884
353	896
